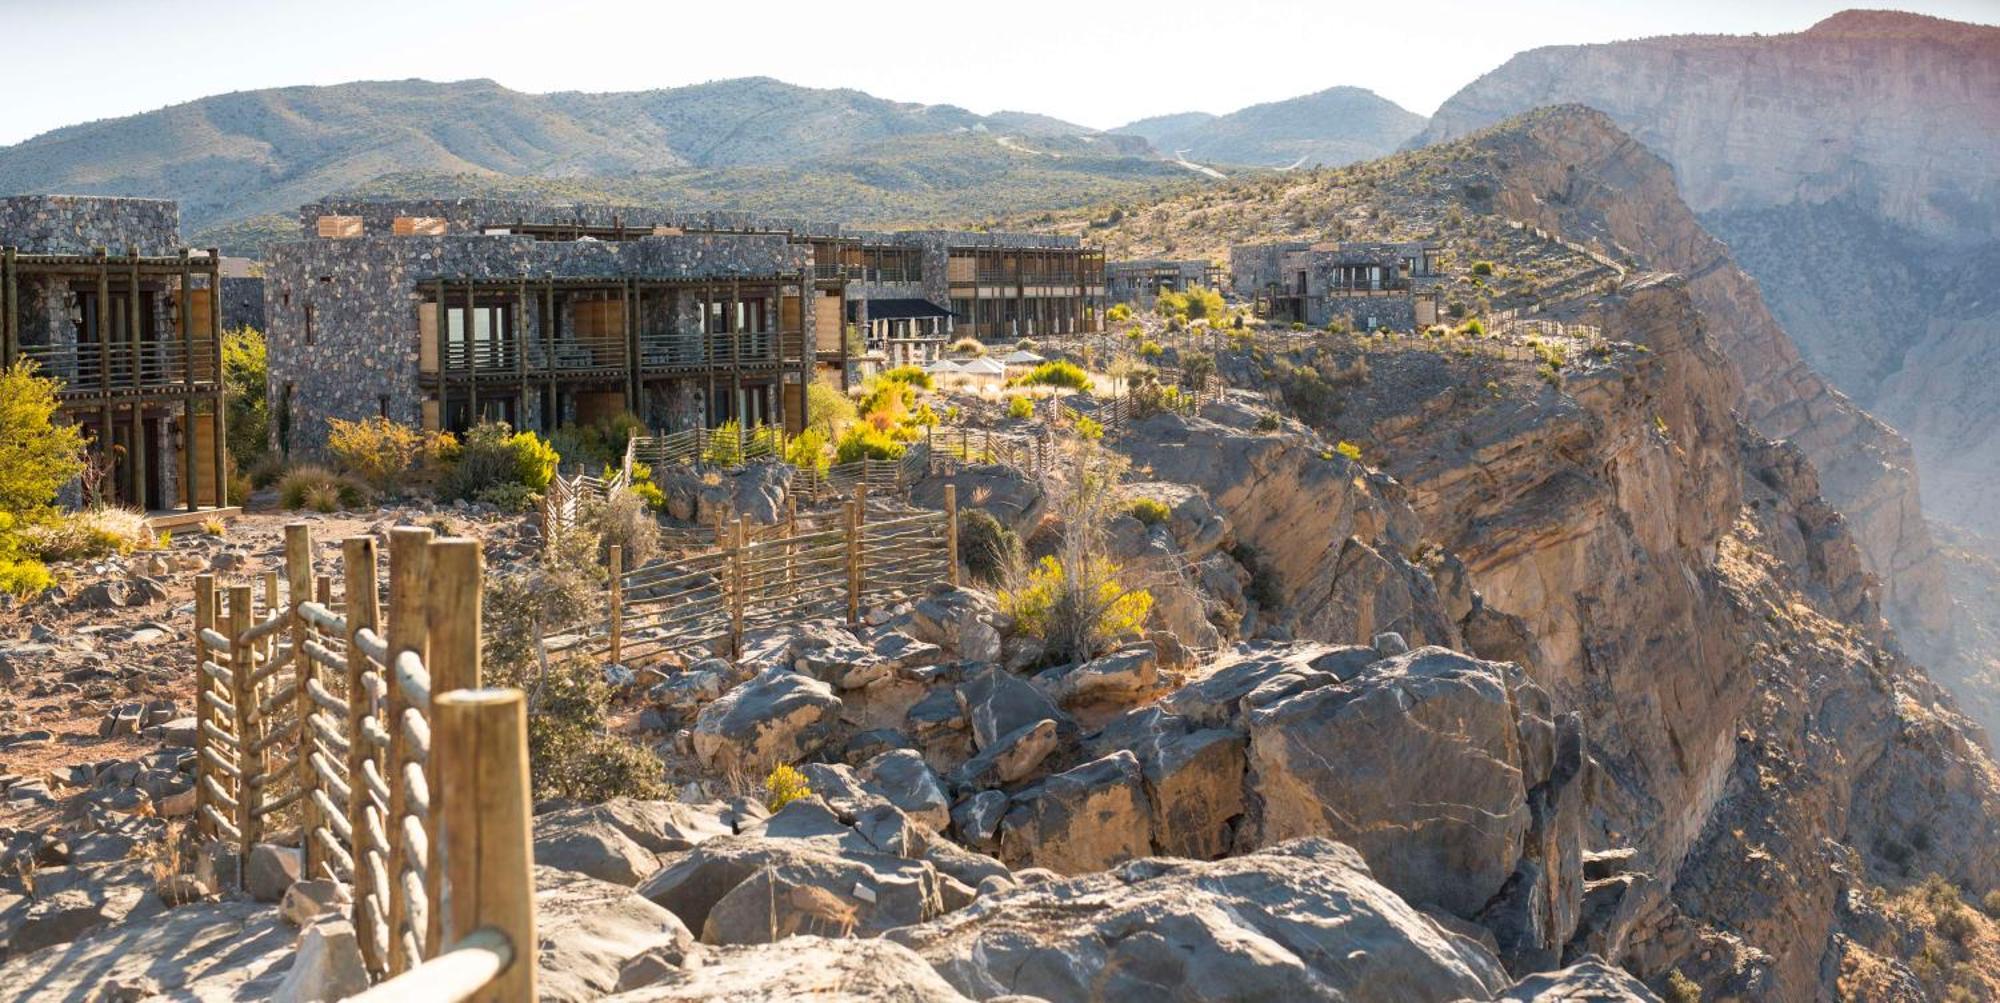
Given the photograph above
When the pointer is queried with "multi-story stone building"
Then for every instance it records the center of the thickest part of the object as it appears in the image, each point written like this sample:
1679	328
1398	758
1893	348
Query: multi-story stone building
453	311
1368	285
1141	282
101	294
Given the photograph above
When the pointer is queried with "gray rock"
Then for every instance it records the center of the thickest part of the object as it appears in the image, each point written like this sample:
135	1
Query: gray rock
328	966
1194	783
976	819
964	621
1588	981
996	702
1389	644
777	717
1124	676
815	968
1013	757
270	870
306	901
1085	819
907	781
1321	927
581	840
590	930
727	889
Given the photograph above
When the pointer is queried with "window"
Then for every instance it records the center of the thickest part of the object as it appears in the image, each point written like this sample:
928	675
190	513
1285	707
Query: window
383	405
309	323
490	344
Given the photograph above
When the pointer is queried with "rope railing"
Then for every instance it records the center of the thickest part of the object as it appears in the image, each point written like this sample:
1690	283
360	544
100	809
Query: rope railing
376	720
811	568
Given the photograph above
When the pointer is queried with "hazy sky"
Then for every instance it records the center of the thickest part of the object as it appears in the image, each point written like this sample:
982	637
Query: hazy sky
1097	63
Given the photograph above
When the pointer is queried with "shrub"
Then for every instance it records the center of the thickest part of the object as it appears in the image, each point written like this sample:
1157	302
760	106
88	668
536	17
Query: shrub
1151	350
89	534
1349	450
494	454
572	753
1474	328
317	488
20	574
1267	422
1057	373
866	442
377	450
1077	618
1118	314
625	519
245	373
1019	406
1482	268
214	526
807	450
1681	989
828	410
515	498
38	455
724	445
1149	511
784	785
968	346
1197	368
910	375
989	550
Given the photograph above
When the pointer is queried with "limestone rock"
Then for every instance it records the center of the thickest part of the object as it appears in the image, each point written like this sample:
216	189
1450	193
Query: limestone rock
777	717
328	966
593	847
589	930
907	781
1588	981
1085	819
1123	677
1010	758
814	968
725	889
1300	921
270	871
995	702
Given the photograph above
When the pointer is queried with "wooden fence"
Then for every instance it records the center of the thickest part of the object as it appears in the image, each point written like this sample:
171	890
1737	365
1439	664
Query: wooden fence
811	568
408	785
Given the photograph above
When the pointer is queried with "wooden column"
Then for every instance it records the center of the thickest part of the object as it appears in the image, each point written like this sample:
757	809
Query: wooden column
363	820
853	512
137	381
409	571
617	602
733	322
551	408
221	443
471	362
517	322
452	611
190	483
299	582
951	532
442	335
482	739
242	662
739	537
204	618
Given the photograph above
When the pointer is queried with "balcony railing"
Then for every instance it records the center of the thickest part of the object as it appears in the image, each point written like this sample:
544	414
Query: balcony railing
160	366
599	354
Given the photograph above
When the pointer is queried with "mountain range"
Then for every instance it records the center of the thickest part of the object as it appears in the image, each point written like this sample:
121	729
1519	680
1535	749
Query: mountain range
241	163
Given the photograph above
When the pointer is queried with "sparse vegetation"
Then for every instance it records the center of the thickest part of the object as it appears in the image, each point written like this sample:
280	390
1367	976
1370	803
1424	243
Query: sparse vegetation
1056	373
968	346
1149	511
784	785
1019	406
494	456
1349	450
1681	989
990	551
1119	313
384	453
309	486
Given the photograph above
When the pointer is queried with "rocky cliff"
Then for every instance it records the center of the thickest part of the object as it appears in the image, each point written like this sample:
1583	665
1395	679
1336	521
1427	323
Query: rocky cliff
1850	168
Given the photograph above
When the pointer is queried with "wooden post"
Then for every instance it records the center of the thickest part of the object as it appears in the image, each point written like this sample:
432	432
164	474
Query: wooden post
738	537
482	742
951	531
854	561
299	579
270	578
452	617
358	557
409	563
241	664
138	381
204	618
617	602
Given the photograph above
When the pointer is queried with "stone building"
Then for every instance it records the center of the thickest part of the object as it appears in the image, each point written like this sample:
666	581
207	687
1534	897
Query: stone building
450	311
1366	285
1141	282
101	294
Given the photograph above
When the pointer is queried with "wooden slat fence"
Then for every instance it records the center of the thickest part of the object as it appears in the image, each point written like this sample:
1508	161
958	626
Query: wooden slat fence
817	568
325	713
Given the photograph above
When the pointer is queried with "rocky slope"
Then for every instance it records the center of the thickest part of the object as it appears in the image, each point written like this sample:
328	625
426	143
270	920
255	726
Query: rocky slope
1850	168
1331	128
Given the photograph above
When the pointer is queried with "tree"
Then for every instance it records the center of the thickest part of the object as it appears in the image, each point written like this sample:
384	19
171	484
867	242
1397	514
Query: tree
828	409
38	455
245	374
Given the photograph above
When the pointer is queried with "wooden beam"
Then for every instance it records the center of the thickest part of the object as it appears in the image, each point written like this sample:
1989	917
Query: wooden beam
489	855
221	443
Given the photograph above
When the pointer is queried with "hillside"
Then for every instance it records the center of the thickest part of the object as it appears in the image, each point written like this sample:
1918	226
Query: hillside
1333	127
740	144
1852	170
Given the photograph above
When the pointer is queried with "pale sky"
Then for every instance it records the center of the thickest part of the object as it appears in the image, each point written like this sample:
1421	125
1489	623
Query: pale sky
1100	64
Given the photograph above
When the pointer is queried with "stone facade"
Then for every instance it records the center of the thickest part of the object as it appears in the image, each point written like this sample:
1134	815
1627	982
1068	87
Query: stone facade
1140	282
359	354
1367	286
76	224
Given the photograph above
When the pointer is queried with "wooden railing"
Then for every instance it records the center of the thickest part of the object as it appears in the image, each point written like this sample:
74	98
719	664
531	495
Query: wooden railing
408	784
807	569
150	366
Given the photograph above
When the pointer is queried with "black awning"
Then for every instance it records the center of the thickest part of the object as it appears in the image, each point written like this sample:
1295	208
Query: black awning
904	309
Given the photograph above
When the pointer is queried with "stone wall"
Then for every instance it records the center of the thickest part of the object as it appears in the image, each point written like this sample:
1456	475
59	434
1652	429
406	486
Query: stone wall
72	224
243	303
365	294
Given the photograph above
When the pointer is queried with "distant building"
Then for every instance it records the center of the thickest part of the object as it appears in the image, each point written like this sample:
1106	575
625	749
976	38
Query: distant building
449	312
1141	282
242	294
1368	285
101	294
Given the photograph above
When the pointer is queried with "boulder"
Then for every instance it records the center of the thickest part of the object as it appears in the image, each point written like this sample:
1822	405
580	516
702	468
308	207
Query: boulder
579	840
198	951
1343	760
907	782
1588	981
306	901
726	888
963	621
270	870
995	702
1300	921
1086	819
1194	783
776	717
1537	912
1124	676
1011	758
690	690
328	966
589	930
814	968
976	819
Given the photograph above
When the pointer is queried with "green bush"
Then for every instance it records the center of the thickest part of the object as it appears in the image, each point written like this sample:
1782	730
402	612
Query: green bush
20	573
1267	422
784	785
1118	314
866	442
38	455
493	455
1077	619
911	375
1149	511
572	753
1019	406
968	346
807	450
1151	350
989	550
1681	989
86	535
724	446
515	498
245	374
1057	374
1474	327
1349	450
1482	268
828	410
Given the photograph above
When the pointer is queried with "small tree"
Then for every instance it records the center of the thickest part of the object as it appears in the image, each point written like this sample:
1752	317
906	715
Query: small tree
245	375
38	455
1074	599
828	409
